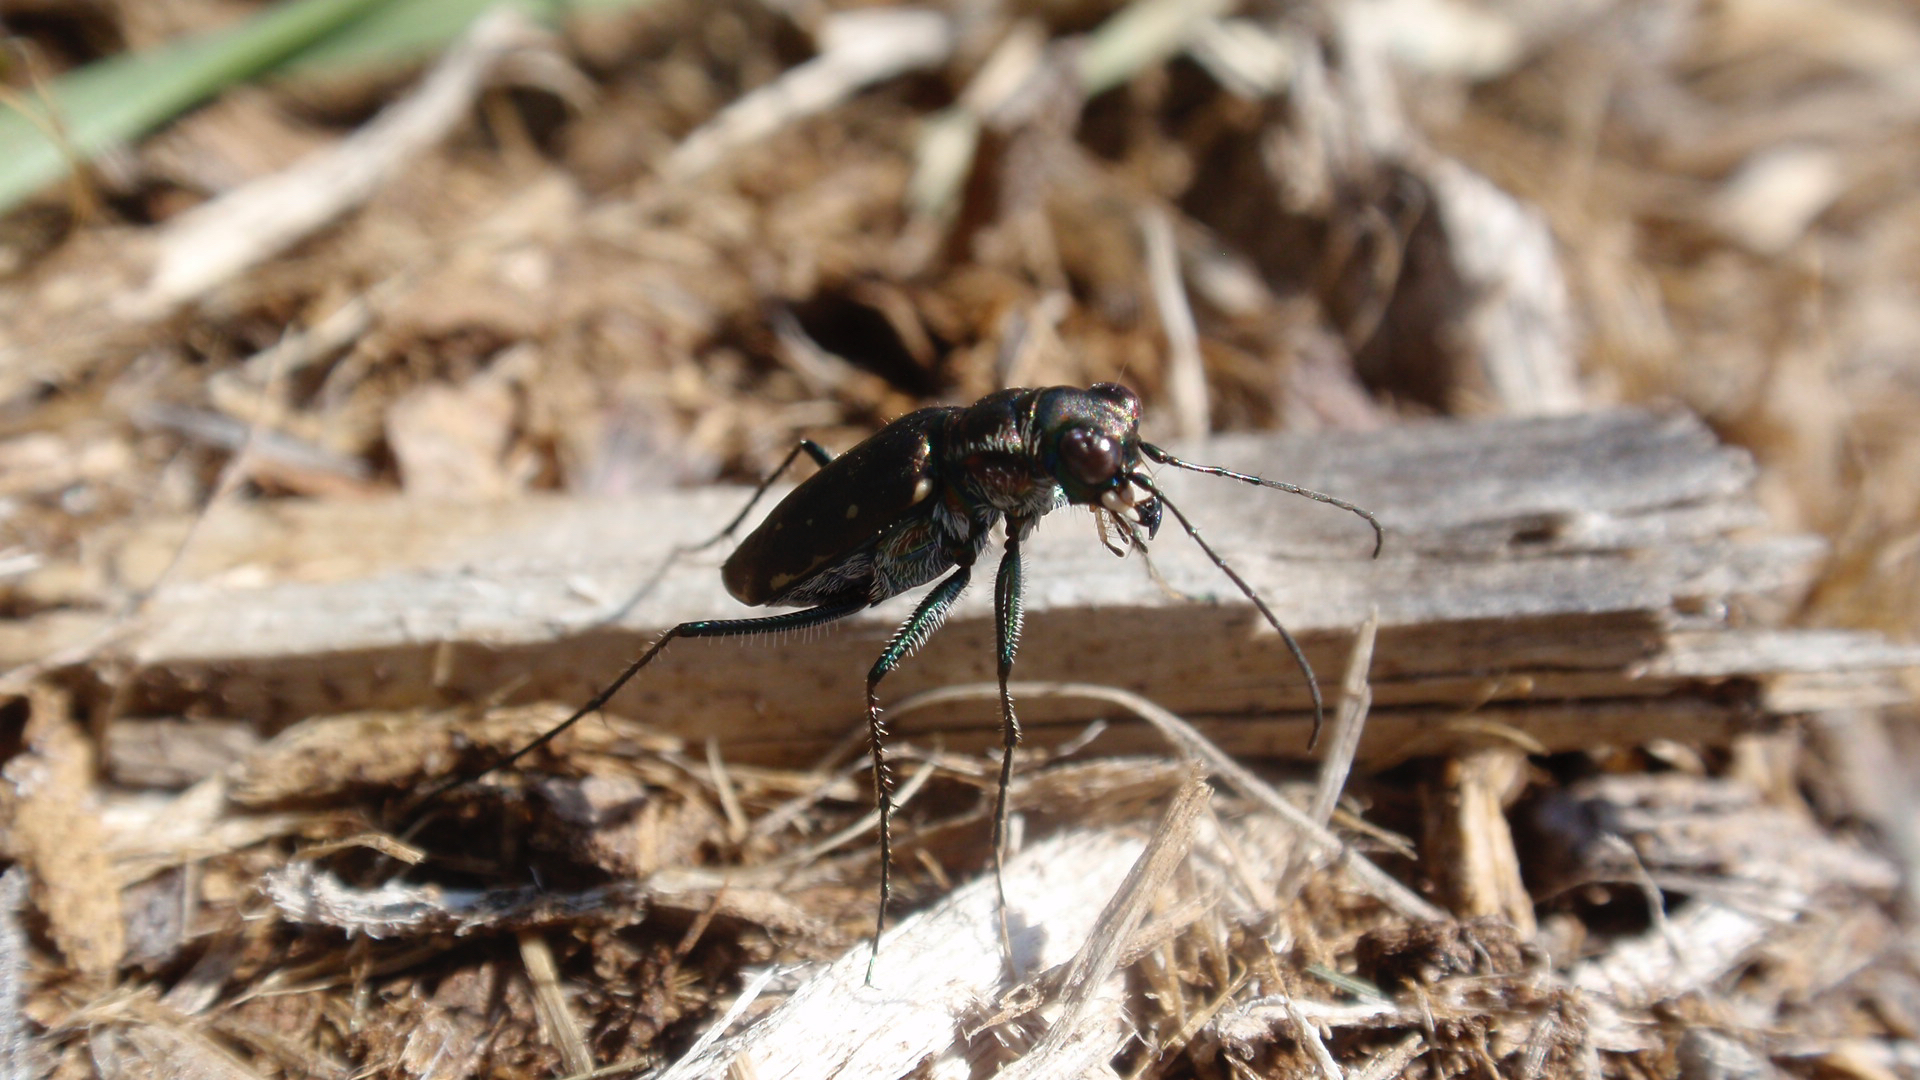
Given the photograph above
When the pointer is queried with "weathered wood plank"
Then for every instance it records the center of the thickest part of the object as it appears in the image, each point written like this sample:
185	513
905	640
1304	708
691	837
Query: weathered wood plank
1572	560
299	649
1598	481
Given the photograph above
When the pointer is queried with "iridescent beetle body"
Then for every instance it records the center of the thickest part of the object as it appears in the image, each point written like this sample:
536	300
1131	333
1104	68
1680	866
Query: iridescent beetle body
917	503
921	496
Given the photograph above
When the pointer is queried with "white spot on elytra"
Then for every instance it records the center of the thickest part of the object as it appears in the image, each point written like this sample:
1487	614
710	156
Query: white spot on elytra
922	489
853	511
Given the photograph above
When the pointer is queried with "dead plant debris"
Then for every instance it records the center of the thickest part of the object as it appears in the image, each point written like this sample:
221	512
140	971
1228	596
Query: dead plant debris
336	422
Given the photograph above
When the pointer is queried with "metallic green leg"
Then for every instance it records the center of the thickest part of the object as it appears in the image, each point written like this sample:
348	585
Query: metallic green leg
912	634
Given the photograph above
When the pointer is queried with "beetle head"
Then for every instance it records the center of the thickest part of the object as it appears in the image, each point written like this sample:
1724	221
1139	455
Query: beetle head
1091	445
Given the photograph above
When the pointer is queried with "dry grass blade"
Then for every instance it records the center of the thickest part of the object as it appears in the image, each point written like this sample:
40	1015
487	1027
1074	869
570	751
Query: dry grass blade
859	48
742	1001
392	848
207	247
551	998
1309	1034
1186	375
1349	721
1070	1046
737	823
1185	736
1343	741
865	825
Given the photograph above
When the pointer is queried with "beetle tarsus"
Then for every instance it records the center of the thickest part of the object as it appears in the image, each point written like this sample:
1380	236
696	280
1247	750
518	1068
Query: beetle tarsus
927	617
1009	612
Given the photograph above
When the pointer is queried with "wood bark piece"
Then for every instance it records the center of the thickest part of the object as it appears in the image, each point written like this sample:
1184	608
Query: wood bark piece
1759	880
396	909
54	827
1091	1026
1470	845
1555	576
935	973
1880	783
18	1053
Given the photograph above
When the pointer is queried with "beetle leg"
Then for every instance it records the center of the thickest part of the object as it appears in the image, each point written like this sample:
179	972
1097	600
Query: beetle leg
912	634
1008	612
814	450
786	620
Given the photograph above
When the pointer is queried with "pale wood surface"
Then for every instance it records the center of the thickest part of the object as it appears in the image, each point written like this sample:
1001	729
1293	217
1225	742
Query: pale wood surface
1561	576
938	973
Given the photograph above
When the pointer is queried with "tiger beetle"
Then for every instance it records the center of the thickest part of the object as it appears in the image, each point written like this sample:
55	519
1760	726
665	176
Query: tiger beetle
918	500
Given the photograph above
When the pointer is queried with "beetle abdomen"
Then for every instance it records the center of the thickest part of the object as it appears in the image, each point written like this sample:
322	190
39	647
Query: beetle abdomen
828	526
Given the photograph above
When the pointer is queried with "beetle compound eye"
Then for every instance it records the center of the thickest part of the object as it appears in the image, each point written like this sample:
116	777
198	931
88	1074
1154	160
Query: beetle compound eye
1092	458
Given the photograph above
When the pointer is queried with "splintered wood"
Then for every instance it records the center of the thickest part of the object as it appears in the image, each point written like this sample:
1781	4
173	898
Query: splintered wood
1546	584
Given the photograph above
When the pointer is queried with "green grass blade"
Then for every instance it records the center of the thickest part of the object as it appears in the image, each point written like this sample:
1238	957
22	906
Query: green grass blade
114	101
402	31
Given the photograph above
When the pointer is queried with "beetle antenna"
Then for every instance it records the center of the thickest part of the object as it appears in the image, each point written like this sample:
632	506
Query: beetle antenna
1299	656
1164	458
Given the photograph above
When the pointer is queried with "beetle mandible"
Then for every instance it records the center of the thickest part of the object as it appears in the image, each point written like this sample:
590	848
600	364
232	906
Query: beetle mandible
918	500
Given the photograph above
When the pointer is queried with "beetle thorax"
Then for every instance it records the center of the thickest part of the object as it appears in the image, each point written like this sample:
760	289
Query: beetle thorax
992	458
